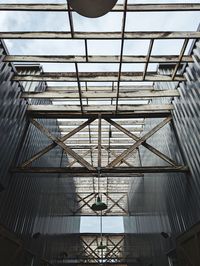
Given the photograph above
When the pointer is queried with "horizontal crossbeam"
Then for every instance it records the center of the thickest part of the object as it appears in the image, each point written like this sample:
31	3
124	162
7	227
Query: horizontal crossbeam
95	59
100	108
118	8
110	147
116	170
37	113
123	88
71	122
140	35
98	76
96	94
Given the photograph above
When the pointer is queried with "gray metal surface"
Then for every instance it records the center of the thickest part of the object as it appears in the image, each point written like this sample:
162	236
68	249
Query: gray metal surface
170	202
25	205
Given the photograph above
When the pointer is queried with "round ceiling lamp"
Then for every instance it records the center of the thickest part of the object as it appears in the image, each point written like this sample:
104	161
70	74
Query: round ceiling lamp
92	8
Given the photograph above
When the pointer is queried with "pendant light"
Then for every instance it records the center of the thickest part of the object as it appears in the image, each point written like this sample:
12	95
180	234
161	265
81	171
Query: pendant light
101	246
99	205
92	8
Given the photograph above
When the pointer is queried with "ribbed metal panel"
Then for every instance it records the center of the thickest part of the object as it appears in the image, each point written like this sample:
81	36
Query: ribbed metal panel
12	119
28	202
186	117
172	199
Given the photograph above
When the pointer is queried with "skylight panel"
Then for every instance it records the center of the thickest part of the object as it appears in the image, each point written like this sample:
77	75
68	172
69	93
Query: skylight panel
109	22
132	67
136	47
98	67
104	47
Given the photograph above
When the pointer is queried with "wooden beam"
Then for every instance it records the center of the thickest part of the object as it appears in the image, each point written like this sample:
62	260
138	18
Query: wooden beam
111	250
119	250
84	198
105	128
96	94
111	147
46	7
97	76
104	160
123	88
104	141
85	248
116	171
86	202
60	143
94	124
127	152
51	146
79	84
96	59
180	58
92	251
148	58
105	132
83	155
114	154
136	114
66	35
146	145
104	152
115	203
100	108
121	138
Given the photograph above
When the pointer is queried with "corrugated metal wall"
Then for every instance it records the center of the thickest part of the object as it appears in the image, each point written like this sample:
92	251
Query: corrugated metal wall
167	202
173	199
182	192
28	202
187	126
12	118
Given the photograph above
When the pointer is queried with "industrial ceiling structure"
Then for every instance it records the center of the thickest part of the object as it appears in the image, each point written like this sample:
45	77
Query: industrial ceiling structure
102	119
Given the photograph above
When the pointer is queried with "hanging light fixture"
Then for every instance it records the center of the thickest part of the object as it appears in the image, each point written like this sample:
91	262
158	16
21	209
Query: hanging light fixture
92	8
99	205
101	246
